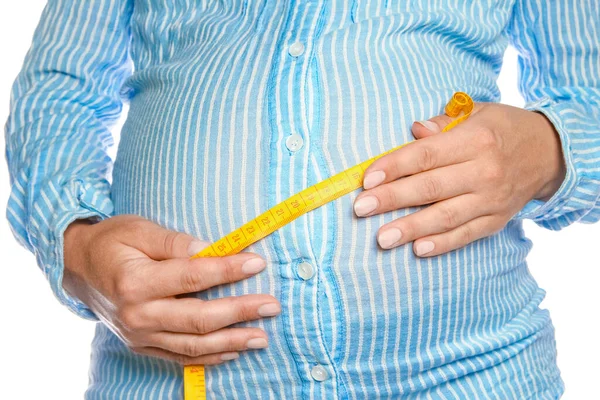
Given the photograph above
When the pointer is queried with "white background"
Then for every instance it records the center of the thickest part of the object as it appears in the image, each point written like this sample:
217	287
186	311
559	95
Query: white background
43	340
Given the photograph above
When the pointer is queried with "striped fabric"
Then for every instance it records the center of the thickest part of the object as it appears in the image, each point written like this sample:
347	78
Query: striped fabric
214	100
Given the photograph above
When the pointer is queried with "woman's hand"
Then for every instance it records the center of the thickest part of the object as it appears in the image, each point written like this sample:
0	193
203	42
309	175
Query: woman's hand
130	272
476	177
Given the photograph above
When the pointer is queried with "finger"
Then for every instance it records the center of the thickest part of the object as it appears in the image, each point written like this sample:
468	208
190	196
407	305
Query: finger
415	190
191	315
440	217
211	359
423	155
431	150
157	242
459	237
179	276
221	341
433	126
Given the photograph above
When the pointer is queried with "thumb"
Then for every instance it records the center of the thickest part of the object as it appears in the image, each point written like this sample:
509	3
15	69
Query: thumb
433	126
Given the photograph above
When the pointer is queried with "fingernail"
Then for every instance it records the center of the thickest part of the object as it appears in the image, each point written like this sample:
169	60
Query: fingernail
365	205
196	247
432	126
388	238
253	266
373	179
424	248
257	343
269	310
229	356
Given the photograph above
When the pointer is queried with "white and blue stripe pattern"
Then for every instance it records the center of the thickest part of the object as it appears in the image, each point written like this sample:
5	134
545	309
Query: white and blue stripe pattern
213	98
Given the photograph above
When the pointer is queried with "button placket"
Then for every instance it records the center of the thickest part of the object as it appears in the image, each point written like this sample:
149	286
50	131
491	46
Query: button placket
299	270
295	141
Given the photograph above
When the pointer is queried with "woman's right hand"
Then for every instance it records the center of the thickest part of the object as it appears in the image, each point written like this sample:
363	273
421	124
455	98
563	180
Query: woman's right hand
130	272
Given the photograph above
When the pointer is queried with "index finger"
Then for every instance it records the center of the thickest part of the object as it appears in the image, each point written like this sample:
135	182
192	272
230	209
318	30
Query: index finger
182	275
421	155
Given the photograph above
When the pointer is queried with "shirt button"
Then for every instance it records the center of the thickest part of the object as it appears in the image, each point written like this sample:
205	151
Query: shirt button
296	49
294	142
319	373
306	271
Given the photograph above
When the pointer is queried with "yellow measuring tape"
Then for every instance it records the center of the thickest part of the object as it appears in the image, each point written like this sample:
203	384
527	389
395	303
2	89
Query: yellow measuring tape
292	208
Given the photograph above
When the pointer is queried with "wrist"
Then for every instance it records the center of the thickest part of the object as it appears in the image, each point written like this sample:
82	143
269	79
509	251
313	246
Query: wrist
553	169
74	239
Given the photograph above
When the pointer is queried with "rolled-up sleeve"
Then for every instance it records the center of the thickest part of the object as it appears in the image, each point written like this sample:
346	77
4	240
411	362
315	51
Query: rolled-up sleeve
559	65
63	103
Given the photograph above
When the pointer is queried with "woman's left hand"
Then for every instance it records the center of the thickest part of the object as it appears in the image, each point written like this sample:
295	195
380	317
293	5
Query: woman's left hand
476	177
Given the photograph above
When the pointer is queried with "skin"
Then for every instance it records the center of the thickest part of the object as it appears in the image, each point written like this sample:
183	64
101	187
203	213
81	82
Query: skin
134	274
475	178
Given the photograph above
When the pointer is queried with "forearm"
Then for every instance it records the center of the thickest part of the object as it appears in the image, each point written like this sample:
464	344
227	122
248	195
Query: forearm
560	78
57	135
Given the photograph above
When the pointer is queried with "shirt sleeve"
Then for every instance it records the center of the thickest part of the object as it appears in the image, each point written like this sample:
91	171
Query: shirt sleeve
559	76
63	102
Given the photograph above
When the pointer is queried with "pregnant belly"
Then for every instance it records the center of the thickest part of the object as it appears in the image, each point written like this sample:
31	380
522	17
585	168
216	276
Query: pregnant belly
357	303
364	294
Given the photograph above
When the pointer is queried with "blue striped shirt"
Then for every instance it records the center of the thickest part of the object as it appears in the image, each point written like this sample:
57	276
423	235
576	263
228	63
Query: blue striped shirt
227	118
